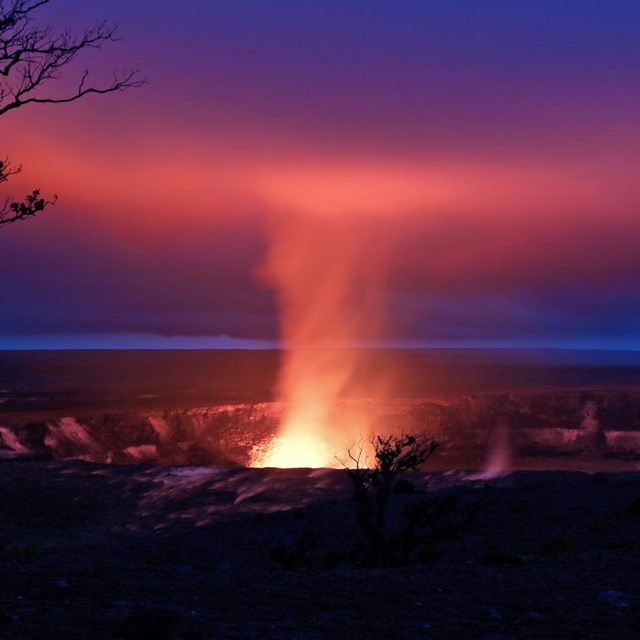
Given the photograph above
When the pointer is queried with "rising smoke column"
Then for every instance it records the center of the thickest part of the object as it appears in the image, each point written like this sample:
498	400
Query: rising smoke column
327	272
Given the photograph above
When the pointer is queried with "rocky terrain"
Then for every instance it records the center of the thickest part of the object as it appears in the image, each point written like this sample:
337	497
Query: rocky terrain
138	552
577	423
127	510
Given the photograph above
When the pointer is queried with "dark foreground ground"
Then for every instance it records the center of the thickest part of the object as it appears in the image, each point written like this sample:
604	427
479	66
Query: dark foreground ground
96	551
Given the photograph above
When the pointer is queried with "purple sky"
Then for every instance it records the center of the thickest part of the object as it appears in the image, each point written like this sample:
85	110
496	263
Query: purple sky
483	153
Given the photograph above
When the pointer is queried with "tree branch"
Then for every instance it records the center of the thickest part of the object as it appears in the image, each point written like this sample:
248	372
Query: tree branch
33	204
30	56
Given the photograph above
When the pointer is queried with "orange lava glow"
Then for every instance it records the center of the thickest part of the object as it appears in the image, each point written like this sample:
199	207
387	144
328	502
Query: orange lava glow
296	449
329	285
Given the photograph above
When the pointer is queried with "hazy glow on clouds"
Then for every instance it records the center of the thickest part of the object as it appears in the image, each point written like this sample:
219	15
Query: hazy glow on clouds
491	151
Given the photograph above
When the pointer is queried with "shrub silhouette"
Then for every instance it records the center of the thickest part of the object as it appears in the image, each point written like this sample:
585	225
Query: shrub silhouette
374	487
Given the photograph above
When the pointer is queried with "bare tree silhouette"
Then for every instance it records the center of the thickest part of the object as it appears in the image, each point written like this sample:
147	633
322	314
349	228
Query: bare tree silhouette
31	56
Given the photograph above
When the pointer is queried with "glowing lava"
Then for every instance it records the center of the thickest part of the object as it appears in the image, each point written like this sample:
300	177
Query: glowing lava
327	274
305	436
298	450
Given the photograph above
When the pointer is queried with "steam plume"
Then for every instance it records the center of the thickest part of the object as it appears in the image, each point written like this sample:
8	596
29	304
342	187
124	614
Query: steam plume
328	282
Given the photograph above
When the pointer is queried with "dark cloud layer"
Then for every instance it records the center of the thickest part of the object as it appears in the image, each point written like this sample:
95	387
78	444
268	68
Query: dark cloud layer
483	154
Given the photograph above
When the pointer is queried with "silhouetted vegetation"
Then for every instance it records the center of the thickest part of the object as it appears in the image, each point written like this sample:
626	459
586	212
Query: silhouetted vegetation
373	488
31	56
395	524
32	204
